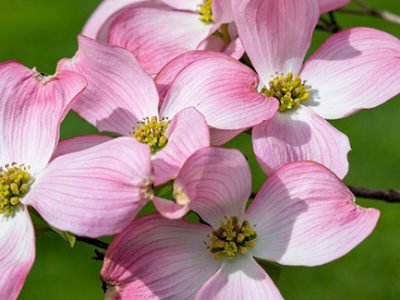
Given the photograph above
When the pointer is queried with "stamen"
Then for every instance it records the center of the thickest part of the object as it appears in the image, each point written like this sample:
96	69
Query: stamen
14	185
180	196
152	132
289	90
205	12
231	239
147	189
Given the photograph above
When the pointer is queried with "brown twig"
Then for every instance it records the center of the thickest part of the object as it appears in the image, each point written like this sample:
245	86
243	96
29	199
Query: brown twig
93	242
366	10
391	196
98	255
330	25
336	26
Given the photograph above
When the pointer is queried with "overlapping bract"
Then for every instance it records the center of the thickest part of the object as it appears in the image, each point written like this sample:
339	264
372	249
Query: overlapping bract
120	95
158	31
162	90
338	73
68	191
303	215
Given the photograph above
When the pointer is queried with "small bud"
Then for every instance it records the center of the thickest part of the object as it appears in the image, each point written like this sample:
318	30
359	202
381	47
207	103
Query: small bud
14	201
14	188
240	238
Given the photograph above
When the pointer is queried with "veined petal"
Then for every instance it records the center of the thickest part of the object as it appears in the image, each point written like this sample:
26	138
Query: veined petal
355	69
156	36
220	137
17	252
329	5
212	42
169	209
300	135
304	215
94	192
79	143
235	49
276	34
222	11
216	183
32	107
192	5
217	44
99	22
187	133
223	90
156	258
119	92
238	279
168	73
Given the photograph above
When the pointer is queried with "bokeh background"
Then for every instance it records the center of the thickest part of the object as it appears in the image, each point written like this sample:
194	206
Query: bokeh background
40	32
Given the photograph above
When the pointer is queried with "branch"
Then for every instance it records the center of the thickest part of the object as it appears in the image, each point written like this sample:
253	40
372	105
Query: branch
366	10
98	255
390	196
330	25
93	242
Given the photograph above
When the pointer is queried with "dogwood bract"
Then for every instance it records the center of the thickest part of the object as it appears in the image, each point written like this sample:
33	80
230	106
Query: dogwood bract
354	69
122	98
329	5
303	215
158	31
92	193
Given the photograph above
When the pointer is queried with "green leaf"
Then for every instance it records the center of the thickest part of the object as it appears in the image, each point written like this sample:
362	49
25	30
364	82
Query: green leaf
68	237
274	270
164	191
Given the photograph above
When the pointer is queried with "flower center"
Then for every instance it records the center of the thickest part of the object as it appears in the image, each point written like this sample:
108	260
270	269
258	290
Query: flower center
14	184
205	12
152	132
290	90
232	238
147	189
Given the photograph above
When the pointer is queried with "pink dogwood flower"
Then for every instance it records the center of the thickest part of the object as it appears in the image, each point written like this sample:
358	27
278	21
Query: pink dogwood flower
92	192
158	31
329	5
355	69
122	98
303	215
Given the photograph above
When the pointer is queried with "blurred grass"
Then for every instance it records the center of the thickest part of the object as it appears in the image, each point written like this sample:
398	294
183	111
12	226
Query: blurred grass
40	32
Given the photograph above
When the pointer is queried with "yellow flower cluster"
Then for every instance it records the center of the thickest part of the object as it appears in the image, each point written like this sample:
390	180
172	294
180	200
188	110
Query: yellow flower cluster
152	132
232	238
14	184
290	90
205	12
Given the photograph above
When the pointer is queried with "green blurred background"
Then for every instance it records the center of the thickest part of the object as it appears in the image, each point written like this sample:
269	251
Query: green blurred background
40	32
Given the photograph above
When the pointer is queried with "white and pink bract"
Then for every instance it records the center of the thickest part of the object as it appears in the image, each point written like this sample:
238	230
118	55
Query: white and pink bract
164	75
303	215
60	187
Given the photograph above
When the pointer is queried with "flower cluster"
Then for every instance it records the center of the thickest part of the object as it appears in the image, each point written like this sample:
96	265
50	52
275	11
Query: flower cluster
166	76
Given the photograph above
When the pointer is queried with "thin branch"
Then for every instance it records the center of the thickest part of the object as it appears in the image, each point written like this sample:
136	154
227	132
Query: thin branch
327	27
98	255
336	26
330	25
391	196
366	10
93	242
323	28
